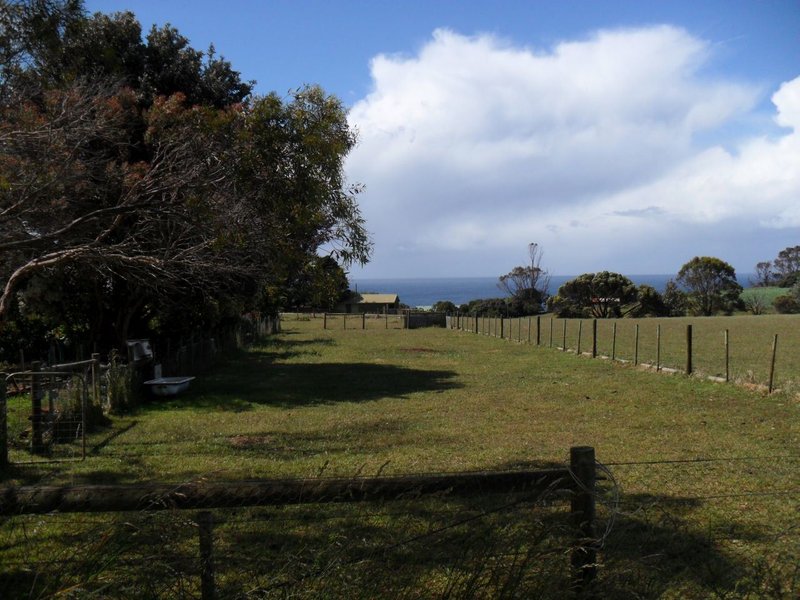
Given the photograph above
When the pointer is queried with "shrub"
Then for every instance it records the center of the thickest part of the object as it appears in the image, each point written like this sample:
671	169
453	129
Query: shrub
786	305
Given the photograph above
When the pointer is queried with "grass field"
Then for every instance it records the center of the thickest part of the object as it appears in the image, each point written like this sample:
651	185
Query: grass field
708	474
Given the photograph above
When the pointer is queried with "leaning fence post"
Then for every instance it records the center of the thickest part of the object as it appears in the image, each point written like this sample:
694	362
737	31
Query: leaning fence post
688	349
772	363
205	524
3	424
580	332
37	443
582	511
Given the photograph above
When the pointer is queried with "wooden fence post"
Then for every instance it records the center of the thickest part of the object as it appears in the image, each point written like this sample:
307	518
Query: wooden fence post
3	424
658	348
519	329
502	327
727	356
37	443
614	341
564	338
551	332
688	349
636	346
96	378
477	327
363	320
772	363
580	333
325	320
205	524
594	338
582	512
538	329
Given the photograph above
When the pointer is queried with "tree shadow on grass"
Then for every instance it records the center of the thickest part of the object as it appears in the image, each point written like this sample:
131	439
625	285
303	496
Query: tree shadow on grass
292	385
653	549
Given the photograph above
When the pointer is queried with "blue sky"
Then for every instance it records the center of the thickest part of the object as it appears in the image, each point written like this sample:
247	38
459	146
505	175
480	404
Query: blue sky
627	136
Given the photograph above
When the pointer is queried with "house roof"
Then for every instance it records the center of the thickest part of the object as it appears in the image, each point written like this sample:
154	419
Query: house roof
378	298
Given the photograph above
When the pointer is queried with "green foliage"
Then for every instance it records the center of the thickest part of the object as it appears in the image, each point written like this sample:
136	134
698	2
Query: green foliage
600	295
787	265
711	286
528	284
163	196
501	307
444	306
675	300
122	396
787	304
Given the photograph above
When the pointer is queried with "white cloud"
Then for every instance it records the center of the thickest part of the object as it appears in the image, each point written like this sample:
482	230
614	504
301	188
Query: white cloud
474	147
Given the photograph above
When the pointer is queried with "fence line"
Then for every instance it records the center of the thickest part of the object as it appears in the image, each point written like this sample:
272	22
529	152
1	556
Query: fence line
674	346
578	479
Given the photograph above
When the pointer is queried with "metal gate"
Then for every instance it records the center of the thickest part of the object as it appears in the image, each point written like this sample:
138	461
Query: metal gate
45	416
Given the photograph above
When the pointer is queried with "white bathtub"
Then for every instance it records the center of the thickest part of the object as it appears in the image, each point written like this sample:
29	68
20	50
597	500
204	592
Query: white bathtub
169	386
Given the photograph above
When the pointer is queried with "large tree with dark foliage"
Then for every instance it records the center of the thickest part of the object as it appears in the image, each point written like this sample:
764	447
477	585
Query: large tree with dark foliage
141	175
710	284
528	284
600	295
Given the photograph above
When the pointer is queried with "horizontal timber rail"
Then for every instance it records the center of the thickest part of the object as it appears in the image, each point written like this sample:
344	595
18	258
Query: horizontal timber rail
160	496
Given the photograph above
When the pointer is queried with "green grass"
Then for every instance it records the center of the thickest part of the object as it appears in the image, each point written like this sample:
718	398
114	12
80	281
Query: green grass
350	402
767	295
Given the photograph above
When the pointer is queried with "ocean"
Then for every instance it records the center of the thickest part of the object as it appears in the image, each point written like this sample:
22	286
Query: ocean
424	292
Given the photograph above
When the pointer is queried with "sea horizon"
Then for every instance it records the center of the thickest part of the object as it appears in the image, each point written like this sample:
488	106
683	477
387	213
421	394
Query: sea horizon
426	291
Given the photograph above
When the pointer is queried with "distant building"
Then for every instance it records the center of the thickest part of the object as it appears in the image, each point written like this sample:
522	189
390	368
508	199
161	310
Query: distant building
371	303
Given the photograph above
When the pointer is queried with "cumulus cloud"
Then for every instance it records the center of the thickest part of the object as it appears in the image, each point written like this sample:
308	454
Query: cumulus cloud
473	147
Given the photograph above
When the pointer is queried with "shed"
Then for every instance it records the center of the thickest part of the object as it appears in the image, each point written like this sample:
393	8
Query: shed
372	303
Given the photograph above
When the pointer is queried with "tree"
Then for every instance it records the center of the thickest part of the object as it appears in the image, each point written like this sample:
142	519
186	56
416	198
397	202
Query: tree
764	275
600	295
649	303
674	299
528	284
145	169
445	306
787	266
711	285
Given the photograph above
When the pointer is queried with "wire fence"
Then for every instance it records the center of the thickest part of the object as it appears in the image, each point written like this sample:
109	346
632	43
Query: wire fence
404	319
747	353
658	529
462	535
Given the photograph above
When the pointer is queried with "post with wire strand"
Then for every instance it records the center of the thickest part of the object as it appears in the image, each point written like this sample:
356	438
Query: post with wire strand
205	524
582	513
